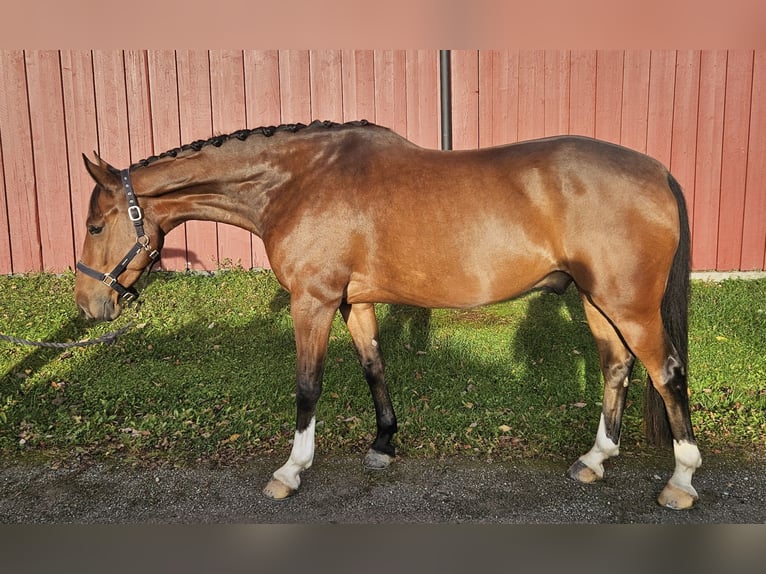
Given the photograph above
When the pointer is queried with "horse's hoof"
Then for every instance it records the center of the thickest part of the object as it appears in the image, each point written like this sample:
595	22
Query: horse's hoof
277	490
375	460
581	472
676	498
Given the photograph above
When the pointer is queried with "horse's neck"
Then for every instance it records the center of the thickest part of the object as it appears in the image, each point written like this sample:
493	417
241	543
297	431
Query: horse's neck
208	187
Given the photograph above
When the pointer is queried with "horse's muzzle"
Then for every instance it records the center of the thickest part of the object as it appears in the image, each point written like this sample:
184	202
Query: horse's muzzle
99	308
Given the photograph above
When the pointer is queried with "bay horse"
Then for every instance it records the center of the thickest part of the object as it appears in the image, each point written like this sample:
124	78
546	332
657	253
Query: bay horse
353	214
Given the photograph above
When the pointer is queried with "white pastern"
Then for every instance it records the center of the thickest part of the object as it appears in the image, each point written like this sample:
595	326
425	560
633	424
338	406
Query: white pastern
301	457
603	449
688	459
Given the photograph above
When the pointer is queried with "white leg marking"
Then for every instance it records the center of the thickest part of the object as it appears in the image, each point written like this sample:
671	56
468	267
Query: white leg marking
301	457
688	460
603	449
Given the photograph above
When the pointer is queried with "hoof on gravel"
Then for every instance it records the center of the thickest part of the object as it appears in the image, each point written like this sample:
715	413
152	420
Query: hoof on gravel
375	460
675	498
581	472
277	490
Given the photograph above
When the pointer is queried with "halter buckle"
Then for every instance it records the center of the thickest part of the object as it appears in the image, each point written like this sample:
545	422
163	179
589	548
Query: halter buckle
129	296
108	280
135	214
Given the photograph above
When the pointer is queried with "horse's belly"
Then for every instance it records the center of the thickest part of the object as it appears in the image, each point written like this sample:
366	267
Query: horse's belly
446	288
485	258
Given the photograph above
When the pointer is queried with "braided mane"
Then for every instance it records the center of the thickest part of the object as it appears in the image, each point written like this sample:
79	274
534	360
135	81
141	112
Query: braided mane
242	135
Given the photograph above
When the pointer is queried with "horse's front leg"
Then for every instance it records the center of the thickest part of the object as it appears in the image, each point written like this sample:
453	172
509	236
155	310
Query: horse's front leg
311	320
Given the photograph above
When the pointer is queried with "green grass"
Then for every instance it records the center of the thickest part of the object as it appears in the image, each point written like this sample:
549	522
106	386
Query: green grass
208	375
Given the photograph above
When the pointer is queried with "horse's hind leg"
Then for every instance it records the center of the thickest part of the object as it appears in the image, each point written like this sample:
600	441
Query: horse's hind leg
642	330
311	320
616	365
667	373
363	326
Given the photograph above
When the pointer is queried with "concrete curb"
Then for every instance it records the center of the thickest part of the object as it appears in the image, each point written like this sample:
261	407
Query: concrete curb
717	276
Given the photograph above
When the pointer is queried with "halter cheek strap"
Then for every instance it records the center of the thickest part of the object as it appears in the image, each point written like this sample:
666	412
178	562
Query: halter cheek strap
136	216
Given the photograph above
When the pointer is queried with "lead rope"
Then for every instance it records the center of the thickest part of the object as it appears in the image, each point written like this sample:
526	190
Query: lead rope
108	338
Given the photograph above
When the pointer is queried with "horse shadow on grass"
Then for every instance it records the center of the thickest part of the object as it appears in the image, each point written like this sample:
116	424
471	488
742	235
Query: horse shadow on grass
546	374
555	348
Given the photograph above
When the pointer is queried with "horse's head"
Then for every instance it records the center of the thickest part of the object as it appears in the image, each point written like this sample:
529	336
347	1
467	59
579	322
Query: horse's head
120	244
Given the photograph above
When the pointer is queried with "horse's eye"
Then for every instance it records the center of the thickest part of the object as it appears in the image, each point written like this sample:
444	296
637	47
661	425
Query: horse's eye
95	229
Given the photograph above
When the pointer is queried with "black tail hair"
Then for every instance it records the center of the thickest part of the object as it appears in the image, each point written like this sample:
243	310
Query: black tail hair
675	313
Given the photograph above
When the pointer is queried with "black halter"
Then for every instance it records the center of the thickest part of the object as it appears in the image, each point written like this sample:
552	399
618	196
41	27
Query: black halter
136	216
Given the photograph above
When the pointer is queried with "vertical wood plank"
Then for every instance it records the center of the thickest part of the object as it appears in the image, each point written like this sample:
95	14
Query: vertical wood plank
531	94
683	151
18	167
485	98
6	263
166	135
195	121
358	68
707	195
262	88
295	86
111	107
46	110
499	98
138	103
557	74
736	131
81	133
326	85
635	100
582	94
609	78
659	133
227	94
262	109
423	98
465	99
391	90
754	224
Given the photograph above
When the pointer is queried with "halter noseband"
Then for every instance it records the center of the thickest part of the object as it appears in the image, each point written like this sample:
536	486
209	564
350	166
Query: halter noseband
136	216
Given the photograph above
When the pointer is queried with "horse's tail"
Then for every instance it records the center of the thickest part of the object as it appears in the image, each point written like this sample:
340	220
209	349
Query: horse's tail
675	312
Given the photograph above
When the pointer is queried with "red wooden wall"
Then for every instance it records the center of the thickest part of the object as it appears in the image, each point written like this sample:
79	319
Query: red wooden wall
703	113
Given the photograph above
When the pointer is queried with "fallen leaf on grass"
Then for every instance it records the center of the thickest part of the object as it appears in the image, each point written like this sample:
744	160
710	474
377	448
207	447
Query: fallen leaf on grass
231	439
134	432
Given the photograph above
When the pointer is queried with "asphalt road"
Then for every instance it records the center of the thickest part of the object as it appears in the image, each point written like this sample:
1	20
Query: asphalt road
338	490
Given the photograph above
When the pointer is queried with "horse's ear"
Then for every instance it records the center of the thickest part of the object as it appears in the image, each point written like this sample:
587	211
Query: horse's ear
102	173
100	161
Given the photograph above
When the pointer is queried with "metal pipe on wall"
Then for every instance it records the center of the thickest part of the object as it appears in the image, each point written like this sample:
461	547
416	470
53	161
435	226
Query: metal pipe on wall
445	75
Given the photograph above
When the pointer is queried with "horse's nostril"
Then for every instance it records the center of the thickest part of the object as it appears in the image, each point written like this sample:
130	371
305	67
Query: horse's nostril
83	307
110	310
